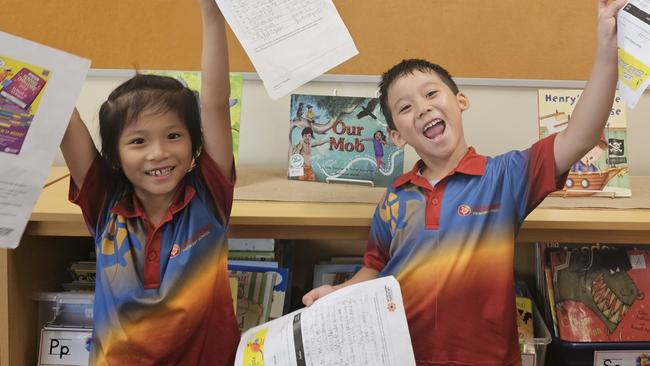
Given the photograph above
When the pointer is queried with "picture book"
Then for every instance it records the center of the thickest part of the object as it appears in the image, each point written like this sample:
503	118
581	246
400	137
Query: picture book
603	171
254	296
341	139
21	87
192	80
524	317
279	286
600	294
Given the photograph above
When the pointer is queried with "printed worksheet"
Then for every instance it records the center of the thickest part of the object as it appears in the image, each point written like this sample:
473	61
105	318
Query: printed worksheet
633	50
289	42
38	90
361	324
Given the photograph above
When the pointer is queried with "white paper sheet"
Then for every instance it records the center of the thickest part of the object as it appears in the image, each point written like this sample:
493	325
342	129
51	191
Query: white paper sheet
362	324
290	42
38	90
633	50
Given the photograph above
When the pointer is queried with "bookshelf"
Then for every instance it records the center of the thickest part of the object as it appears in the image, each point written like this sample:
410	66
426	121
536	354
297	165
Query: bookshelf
57	235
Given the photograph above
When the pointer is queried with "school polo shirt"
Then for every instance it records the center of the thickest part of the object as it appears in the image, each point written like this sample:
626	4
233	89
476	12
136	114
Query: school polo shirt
162	295
451	249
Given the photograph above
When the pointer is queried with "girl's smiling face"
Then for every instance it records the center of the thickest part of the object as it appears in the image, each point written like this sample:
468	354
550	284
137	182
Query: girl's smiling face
155	153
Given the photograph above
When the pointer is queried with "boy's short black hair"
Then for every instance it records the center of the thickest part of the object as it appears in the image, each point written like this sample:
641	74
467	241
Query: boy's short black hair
408	67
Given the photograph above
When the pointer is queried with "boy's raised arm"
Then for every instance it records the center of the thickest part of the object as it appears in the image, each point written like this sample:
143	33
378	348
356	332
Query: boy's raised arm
592	111
78	148
215	88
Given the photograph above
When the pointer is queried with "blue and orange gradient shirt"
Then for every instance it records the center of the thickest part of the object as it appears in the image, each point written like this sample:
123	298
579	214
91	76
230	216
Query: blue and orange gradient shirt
162	295
451	248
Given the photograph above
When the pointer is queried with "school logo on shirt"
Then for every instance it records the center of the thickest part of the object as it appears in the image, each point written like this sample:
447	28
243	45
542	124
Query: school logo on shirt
175	250
464	210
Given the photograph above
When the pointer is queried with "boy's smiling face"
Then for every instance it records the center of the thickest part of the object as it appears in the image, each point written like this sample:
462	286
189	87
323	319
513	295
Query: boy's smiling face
428	116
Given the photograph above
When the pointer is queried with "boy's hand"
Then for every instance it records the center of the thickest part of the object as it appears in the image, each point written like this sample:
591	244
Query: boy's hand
317	293
607	41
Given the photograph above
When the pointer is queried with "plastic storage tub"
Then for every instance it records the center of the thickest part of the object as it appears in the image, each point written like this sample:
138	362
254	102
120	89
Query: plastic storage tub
65	309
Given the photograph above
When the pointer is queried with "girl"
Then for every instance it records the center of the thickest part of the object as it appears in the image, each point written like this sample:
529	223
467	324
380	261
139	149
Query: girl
157	202
378	139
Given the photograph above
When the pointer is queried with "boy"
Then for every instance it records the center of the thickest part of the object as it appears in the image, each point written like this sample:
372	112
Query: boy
446	229
303	147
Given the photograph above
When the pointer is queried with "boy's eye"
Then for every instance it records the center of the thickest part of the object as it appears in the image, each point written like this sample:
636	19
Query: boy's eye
404	108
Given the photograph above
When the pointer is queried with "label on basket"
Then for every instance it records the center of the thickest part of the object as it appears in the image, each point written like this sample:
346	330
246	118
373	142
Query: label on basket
622	358
60	346
528	359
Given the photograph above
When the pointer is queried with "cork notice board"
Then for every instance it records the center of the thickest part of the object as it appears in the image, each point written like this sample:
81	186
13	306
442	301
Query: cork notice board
513	39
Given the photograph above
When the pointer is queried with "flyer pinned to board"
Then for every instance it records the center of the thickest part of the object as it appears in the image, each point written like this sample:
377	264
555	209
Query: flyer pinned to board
39	86
289	42
633	25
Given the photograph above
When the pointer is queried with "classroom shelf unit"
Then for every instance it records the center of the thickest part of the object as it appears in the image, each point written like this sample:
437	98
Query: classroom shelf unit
57	235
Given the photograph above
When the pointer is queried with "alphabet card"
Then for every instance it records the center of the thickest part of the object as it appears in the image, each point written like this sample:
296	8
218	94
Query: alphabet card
341	139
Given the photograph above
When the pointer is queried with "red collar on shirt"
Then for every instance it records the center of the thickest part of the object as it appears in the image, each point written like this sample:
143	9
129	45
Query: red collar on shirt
471	164
181	198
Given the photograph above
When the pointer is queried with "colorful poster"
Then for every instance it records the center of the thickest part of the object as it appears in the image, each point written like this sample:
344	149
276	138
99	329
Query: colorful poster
603	171
39	87
192	79
341	139
21	88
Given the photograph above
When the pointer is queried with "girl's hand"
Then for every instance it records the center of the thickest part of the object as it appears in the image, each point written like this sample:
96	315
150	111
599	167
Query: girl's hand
606	34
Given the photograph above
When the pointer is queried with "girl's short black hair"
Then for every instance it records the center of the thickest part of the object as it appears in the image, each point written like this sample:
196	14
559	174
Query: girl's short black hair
127	102
402	69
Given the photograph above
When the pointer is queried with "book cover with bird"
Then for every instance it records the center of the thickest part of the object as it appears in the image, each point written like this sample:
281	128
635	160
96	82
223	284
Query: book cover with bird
341	139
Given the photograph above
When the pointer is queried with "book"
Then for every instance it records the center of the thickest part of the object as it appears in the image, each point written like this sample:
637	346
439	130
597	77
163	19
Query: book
25	86
600	294
251	255
603	171
524	318
254	296
334	274
20	95
361	324
280	287
341	139
251	244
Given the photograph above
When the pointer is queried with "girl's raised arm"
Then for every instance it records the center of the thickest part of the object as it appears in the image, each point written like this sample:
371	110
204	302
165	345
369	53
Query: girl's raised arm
215	88
78	148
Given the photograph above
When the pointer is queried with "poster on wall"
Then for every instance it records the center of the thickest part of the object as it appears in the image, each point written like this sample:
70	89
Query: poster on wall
602	171
38	90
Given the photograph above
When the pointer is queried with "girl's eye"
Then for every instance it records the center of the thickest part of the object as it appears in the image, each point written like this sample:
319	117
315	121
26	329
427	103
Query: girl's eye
173	136
431	93
136	141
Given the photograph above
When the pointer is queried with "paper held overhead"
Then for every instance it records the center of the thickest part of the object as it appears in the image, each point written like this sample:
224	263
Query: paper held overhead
633	50
38	90
289	42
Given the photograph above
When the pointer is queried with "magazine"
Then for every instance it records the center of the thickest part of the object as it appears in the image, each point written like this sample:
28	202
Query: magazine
341	139
38	89
603	171
361	324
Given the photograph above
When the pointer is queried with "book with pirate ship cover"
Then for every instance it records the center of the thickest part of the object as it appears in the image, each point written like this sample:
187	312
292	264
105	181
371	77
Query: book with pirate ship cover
603	171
